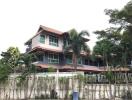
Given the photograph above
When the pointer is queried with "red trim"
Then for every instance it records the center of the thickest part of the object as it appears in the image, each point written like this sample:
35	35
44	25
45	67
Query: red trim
70	68
51	30
121	69
45	49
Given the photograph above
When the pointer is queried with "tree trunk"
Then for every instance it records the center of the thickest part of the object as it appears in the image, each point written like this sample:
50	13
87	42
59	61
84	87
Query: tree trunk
107	65
74	59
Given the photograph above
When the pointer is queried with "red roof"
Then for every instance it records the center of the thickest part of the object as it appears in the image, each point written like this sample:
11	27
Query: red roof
120	69
51	30
84	68
55	66
44	28
45	49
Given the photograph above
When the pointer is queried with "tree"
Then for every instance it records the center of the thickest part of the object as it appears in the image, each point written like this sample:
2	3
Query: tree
123	21
4	72
106	48
120	34
9	62
121	17
29	69
28	60
11	57
77	44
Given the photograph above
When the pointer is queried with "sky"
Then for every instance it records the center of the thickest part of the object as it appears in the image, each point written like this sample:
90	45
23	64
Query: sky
20	19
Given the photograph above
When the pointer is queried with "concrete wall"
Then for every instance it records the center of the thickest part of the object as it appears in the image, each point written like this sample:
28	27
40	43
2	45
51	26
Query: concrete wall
43	83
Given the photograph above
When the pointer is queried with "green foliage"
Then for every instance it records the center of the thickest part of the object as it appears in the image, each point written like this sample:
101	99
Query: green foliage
51	69
62	80
117	39
106	48
29	67
80	77
121	17
4	72
8	63
103	47
28	59
109	75
77	44
10	57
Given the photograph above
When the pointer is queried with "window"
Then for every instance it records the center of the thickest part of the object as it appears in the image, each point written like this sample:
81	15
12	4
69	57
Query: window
80	60
53	58
42	39
40	57
68	59
53	40
86	61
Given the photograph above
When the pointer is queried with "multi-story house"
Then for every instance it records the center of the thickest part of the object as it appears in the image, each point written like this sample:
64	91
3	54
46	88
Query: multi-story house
48	44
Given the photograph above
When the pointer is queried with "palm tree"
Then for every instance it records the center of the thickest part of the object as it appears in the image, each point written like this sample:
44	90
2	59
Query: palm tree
77	44
28	70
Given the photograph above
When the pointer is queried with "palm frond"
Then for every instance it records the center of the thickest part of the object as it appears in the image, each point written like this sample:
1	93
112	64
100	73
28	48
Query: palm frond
86	48
72	34
67	48
84	33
